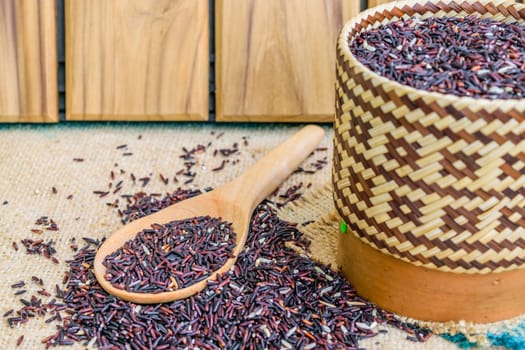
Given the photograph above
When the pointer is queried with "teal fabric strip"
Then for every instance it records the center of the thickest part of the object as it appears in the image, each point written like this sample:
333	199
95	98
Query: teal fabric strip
511	338
460	340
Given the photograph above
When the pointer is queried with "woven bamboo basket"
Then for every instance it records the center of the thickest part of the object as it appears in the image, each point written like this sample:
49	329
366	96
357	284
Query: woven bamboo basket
430	185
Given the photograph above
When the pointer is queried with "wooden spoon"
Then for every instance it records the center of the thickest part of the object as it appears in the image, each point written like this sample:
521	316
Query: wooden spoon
233	202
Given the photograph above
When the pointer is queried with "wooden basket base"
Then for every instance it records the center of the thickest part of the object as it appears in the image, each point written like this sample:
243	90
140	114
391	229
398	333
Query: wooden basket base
427	294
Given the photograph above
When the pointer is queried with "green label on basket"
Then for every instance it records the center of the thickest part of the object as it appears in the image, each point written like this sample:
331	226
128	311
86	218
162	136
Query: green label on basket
343	226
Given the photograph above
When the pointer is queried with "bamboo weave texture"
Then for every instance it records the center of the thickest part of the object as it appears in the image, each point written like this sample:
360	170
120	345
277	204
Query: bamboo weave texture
435	180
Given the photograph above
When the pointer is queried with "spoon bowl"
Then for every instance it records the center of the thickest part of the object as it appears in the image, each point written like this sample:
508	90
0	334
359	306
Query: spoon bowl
233	202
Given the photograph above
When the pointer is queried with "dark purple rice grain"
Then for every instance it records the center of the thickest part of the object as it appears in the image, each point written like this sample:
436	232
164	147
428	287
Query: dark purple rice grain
220	167
291	194
48	223
165	180
226	152
101	194
145	180
39	247
273	297
9	312
171	256
37	280
43	220
142	204
43	292
466	56
19	340
18	284
190	162
314	166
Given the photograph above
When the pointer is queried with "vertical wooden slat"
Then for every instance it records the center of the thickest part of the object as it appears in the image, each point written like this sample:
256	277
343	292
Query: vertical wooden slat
276	59
373	3
350	9
28	63
137	59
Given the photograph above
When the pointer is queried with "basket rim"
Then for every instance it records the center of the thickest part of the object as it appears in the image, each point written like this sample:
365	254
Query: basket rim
344	48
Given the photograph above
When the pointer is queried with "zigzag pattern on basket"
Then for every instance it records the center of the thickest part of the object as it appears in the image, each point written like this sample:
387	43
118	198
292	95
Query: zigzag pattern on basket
434	180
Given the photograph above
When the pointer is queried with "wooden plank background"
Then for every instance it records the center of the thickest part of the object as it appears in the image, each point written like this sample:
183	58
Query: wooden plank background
372	3
137	59
149	60
276	59
28	66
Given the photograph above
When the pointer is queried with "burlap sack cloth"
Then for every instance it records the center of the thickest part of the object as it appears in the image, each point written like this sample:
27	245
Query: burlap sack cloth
34	159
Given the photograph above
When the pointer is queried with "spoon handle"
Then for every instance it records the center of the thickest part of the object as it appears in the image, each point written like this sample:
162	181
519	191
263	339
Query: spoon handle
262	178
